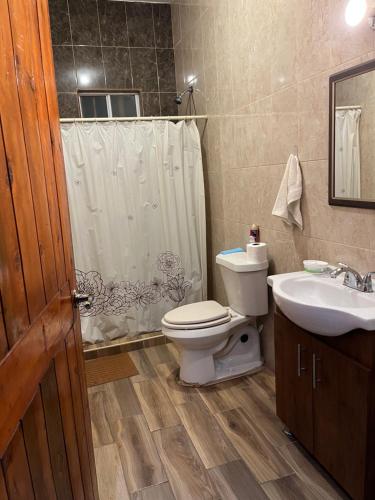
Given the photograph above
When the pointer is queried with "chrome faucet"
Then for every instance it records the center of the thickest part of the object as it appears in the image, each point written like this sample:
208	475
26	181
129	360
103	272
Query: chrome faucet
353	279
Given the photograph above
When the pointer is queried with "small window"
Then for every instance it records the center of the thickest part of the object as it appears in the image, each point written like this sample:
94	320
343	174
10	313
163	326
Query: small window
103	105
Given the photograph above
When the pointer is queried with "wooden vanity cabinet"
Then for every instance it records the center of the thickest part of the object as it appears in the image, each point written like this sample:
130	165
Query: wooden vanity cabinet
325	395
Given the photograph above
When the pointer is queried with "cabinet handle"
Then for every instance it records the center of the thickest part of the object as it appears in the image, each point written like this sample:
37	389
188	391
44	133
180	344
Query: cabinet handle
315	380
300	368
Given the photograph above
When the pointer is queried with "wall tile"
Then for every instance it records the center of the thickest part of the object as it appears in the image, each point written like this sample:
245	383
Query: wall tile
117	68
163	26
101	46
176	26
168	106
84	22
140	24
68	105
60	22
165	61
266	67
64	68
90	70
112	21
144	68
151	103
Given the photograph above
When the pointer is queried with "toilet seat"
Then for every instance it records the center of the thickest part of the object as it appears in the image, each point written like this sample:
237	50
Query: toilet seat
191	315
197	326
197	316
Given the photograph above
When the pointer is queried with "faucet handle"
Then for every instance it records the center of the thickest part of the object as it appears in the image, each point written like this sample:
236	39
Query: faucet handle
341	267
367	282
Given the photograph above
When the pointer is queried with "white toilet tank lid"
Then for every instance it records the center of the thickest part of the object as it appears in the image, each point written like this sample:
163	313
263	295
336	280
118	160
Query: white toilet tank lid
240	263
199	312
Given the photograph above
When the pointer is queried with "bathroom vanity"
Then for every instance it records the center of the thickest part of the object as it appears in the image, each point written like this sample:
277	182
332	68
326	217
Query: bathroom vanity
325	395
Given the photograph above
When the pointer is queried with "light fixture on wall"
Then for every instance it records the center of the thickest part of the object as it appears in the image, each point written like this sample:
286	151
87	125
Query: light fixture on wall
355	11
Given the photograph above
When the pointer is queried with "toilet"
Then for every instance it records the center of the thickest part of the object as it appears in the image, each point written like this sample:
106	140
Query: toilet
218	343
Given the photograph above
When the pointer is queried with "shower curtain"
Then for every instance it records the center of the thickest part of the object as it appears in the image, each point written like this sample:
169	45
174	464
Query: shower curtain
137	208
347	154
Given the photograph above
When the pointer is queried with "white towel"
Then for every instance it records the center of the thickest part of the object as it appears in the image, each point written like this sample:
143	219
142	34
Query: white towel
288	201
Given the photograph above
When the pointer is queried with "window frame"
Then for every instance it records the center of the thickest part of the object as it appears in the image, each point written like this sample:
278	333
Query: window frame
108	94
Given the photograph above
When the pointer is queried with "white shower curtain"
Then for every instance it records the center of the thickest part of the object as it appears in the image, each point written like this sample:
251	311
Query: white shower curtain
347	154
137	207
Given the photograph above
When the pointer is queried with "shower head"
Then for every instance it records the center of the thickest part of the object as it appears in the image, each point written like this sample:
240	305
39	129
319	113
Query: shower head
188	90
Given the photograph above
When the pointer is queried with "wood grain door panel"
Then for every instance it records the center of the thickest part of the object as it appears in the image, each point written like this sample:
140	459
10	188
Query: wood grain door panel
45	436
340	417
293	350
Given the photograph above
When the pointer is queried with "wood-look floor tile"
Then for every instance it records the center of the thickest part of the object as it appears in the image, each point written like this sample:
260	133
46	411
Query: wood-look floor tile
143	365
179	394
266	380
126	398
111	482
139	457
219	397
187	476
119	400
174	351
206	435
262	392
255	402
311	473
101	434
156	406
253	446
288	488
159	354
234	481
160	492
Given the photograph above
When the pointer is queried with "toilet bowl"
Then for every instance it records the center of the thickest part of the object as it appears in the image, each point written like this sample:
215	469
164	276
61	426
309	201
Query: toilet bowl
215	342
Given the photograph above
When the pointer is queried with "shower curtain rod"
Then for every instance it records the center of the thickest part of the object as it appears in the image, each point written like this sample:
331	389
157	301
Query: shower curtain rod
135	119
348	107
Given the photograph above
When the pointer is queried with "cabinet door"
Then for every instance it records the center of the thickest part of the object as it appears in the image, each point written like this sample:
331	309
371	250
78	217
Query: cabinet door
340	401
293	360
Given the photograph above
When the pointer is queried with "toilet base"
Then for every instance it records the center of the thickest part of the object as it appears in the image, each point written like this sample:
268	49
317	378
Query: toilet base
224	378
238	355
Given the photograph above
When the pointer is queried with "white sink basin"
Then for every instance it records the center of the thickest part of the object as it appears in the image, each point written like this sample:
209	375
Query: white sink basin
321	304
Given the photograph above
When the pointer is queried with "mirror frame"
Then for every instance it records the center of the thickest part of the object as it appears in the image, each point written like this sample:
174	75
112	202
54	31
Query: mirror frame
333	79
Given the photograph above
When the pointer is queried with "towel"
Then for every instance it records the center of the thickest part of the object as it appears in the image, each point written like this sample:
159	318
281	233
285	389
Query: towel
288	201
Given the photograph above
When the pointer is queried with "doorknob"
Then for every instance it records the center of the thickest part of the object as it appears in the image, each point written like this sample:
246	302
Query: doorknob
82	298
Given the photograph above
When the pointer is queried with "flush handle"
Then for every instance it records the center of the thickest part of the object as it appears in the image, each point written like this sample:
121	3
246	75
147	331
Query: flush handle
300	368
83	299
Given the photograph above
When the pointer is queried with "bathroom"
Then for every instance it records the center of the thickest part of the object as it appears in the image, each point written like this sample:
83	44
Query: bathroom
137	360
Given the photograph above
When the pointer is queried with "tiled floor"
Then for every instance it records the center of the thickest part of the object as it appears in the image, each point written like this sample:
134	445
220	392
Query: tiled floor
156	440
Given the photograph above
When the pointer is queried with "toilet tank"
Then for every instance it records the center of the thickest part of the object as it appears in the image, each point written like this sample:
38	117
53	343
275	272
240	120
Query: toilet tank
245	283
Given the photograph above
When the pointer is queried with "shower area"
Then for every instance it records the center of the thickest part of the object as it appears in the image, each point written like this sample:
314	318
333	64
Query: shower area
134	167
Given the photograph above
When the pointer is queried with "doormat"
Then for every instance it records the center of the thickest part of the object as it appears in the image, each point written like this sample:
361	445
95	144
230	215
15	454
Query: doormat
108	368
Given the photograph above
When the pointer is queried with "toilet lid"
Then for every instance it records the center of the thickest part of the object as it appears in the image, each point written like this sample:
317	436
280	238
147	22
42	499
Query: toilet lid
197	313
197	326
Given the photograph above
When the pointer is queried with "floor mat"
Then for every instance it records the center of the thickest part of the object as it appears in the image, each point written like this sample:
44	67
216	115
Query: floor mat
108	368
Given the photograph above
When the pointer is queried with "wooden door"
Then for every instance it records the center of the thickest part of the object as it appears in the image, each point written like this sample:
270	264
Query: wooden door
293	354
45	438
340	400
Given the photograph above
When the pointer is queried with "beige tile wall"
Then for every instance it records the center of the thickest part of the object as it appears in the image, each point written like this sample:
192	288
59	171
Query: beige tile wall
262	67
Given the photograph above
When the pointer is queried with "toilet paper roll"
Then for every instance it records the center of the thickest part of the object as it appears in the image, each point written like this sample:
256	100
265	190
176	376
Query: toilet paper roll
256	252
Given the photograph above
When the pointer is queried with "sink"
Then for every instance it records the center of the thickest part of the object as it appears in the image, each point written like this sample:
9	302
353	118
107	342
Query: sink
321	304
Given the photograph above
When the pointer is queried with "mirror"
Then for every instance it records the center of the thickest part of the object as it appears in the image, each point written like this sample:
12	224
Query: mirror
352	132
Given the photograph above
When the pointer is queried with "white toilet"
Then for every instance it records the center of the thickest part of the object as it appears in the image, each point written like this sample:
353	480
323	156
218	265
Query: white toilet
218	343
